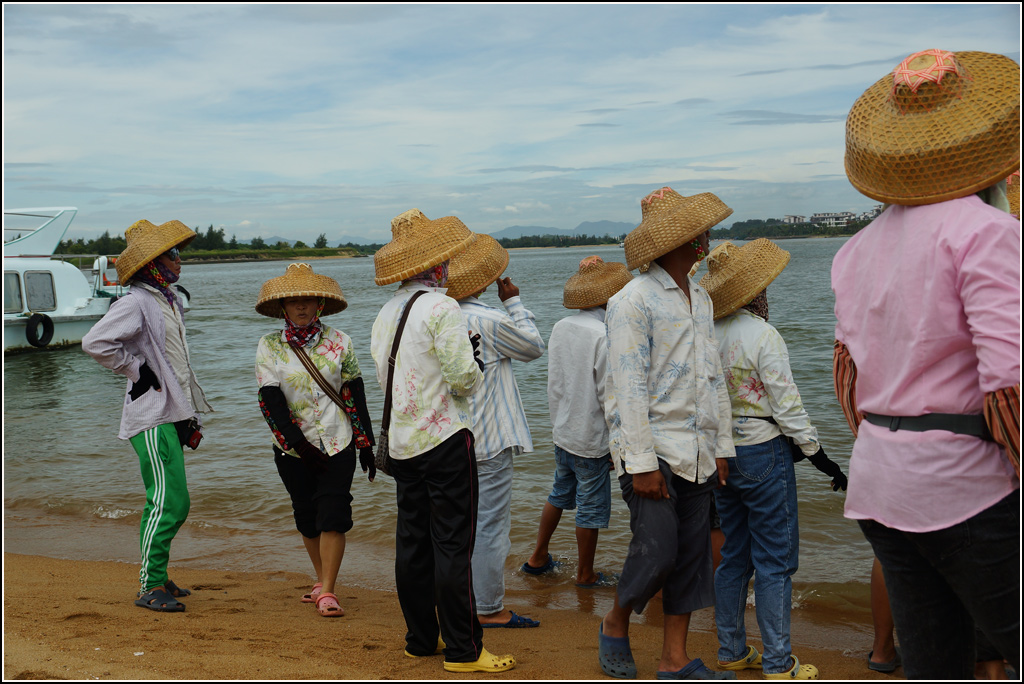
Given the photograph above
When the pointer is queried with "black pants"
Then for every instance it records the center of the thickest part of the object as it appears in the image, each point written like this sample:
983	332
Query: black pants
944	583
437	507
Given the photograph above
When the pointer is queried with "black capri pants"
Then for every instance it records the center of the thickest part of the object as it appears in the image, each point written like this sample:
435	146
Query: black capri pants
320	503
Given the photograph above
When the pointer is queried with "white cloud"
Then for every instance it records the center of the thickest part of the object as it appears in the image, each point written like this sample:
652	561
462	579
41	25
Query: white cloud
336	118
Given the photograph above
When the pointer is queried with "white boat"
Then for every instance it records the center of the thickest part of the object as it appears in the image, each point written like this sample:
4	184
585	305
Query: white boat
49	301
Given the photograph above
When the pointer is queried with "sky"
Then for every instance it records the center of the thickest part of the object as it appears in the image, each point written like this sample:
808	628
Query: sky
296	120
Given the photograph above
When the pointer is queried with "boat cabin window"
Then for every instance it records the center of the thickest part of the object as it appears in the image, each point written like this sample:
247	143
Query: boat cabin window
39	291
12	292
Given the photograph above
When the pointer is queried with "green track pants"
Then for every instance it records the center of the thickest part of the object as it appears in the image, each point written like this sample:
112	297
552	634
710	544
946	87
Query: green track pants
167	502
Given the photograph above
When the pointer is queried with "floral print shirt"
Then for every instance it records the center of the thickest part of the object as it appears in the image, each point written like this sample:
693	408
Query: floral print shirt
756	365
320	419
665	393
434	370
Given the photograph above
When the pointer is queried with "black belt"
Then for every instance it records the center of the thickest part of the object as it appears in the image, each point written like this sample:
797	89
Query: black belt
958	423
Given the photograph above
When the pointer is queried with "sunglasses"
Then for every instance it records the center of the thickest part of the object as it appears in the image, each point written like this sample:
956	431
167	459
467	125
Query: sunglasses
173	254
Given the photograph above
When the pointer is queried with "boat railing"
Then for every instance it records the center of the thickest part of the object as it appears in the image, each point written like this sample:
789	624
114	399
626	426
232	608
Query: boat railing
97	269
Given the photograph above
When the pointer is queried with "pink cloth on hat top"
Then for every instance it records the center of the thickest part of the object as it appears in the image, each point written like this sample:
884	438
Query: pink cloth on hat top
928	303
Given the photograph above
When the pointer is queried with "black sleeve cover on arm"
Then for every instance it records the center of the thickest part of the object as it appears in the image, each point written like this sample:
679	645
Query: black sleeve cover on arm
275	411
359	400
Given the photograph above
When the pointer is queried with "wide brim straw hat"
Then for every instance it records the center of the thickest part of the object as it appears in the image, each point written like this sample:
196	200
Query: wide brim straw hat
300	281
595	283
417	243
942	125
670	220
476	267
738	273
147	241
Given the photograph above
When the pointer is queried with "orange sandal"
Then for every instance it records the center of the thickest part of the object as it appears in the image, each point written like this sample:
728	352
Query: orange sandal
311	596
327	605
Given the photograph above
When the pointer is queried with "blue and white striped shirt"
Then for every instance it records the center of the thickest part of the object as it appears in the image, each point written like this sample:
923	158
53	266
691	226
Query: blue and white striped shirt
499	421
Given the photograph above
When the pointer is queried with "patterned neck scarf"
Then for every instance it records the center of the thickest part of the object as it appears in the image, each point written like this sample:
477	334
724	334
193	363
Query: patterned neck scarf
432	277
155	274
759	305
303	335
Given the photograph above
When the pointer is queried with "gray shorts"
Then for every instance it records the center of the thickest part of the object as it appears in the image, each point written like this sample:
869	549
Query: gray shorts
671	547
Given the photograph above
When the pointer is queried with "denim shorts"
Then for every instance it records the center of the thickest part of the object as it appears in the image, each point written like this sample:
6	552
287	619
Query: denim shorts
583	483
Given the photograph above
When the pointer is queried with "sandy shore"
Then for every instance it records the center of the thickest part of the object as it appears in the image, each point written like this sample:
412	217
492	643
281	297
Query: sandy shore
76	620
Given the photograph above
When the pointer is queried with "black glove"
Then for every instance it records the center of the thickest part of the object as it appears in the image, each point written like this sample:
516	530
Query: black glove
314	459
475	341
826	465
367	462
147	379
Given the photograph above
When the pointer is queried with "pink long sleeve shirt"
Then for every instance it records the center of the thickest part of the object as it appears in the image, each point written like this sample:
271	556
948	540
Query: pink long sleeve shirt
928	304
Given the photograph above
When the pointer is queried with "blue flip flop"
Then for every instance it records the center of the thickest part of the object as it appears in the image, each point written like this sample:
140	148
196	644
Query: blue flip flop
596	583
615	655
550	565
696	669
514	622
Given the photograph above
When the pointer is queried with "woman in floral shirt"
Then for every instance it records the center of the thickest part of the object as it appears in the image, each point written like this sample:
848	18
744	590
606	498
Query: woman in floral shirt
314	438
771	430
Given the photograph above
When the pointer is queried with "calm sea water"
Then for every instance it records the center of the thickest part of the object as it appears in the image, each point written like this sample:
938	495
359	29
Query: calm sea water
72	489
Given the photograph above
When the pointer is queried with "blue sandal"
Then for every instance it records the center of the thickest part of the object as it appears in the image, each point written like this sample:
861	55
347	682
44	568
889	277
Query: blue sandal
174	590
514	622
550	565
615	655
696	669
160	601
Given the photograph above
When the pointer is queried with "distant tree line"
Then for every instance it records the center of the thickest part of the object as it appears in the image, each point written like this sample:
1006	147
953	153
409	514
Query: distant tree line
211	240
558	241
774	228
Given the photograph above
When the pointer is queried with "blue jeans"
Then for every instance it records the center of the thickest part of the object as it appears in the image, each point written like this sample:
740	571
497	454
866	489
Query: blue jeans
943	583
584	483
759	519
493	525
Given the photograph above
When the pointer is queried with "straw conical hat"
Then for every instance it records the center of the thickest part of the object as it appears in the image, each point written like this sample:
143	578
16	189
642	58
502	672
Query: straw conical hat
147	241
671	220
300	281
737	274
940	126
417	243
595	283
476	267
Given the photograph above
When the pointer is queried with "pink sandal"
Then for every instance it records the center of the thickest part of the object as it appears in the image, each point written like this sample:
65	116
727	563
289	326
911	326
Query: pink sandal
327	605
311	596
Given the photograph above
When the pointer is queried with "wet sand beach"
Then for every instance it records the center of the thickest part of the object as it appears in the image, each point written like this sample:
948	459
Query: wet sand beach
68	619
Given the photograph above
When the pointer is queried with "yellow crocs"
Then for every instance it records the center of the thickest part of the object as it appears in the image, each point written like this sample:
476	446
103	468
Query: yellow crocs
437	651
798	671
751	661
487	662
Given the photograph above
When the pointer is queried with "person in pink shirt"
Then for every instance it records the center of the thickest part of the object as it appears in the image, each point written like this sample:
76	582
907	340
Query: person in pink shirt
927	354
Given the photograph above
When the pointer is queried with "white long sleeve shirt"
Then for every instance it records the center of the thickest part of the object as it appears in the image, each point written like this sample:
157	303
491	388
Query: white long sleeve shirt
666	395
760	383
496	408
577	363
434	369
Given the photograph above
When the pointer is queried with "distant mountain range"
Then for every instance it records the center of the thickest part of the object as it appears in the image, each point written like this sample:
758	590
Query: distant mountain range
595	228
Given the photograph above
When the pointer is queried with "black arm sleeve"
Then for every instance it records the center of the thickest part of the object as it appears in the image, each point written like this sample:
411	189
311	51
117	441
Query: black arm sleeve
359	399
275	411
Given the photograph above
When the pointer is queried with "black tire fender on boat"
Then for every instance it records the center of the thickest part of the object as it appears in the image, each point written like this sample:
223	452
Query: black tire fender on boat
183	291
32	330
